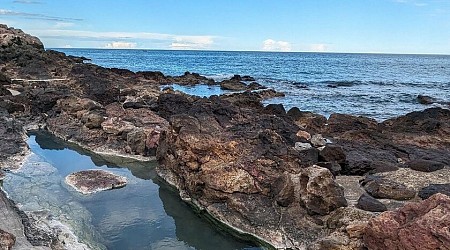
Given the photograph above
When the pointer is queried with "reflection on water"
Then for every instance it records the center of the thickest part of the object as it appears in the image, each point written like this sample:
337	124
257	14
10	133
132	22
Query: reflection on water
145	214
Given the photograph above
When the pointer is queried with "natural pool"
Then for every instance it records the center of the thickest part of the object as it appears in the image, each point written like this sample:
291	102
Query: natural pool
145	214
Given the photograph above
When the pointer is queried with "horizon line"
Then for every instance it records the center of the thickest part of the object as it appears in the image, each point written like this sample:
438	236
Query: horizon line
259	51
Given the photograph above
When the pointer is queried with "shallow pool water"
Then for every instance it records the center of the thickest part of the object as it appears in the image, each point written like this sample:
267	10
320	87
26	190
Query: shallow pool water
145	214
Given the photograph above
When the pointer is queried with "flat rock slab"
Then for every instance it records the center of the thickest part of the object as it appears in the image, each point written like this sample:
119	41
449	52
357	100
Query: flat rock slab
92	181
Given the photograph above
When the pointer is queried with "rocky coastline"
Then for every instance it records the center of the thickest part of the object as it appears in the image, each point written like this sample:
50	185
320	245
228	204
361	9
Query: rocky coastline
288	179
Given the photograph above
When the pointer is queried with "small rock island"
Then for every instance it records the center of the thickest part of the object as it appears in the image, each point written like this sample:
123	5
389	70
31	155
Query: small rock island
92	181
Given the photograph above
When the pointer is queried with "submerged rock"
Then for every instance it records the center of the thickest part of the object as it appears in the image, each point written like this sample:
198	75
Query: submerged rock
423	225
92	181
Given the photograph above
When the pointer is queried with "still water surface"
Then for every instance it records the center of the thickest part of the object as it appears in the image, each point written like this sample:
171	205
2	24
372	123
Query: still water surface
145	214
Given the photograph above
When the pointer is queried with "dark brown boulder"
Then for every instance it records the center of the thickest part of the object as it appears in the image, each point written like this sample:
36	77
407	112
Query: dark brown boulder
307	120
425	165
11	106
334	167
382	166
286	194
233	85
368	203
340	123
332	153
423	225
386	189
93	119
432	189
430	121
275	109
4	80
424	99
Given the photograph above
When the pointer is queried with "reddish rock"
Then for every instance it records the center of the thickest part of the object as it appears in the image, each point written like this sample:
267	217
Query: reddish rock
92	181
424	225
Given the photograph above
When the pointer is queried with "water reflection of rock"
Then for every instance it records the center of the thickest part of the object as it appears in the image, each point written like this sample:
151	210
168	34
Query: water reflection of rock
119	227
192	229
139	169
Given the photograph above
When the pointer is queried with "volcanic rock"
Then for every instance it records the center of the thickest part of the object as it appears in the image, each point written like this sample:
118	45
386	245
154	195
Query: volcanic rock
423	225
424	99
425	165
334	167
275	109
368	203
233	85
432	189
307	120
319	192
386	189
332	153
92	181
339	123
304	135
7	240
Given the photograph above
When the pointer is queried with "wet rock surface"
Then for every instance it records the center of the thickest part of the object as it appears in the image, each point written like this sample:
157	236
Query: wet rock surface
260	170
93	181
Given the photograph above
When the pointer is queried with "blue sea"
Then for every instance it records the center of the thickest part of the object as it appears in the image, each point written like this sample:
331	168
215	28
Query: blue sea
380	86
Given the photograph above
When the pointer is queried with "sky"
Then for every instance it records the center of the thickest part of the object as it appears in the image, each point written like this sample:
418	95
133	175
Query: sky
353	26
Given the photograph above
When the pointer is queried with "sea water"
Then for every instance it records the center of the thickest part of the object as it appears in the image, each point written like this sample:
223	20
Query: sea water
380	86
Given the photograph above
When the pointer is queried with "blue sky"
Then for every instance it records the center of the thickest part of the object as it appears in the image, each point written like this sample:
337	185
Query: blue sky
373	26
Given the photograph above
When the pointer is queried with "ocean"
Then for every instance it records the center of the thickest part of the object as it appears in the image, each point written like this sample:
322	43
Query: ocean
380	86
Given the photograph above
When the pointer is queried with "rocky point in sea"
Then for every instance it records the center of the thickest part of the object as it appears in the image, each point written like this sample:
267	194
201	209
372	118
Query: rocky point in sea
289	179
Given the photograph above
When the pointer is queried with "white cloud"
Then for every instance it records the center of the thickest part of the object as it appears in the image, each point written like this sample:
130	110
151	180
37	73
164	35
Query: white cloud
120	45
272	45
318	47
201	42
171	40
